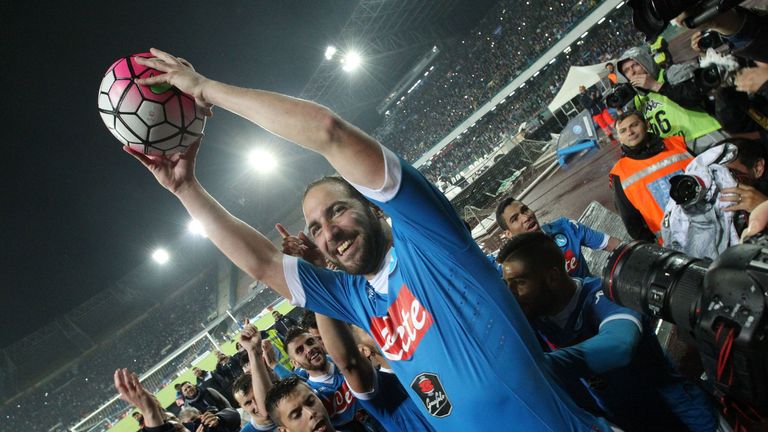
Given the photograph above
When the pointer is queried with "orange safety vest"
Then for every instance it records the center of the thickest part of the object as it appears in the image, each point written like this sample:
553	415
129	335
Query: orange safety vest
646	181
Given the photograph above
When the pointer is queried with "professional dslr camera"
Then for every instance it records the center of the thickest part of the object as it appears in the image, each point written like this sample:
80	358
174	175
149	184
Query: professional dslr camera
619	96
651	16
718	306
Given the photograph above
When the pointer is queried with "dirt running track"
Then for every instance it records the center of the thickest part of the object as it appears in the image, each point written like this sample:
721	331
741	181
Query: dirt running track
569	190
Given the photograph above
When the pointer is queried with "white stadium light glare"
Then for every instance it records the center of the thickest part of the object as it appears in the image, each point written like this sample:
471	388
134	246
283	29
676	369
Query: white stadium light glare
195	227
567	49
584	35
351	61
161	256
536	73
601	20
330	52
553	60
262	160
619	5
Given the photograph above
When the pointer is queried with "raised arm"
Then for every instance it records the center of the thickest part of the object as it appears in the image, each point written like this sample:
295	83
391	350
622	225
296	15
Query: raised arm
242	244
354	154
250	339
341	346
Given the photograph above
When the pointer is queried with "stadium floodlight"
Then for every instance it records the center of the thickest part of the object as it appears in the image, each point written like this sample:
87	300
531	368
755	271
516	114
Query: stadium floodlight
351	61
554	59
619	5
330	52
160	256
537	73
262	161
584	35
195	227
601	20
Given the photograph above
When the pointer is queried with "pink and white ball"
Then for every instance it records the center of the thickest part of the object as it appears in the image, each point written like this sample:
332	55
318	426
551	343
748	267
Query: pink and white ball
156	120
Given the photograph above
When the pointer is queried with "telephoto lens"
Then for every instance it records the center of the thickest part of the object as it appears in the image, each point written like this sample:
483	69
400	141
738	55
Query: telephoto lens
655	281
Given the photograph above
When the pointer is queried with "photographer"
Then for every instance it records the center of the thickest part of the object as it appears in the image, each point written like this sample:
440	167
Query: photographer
749	169
670	99
746	30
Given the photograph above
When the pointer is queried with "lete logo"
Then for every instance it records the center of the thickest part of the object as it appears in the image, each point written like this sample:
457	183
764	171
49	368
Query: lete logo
571	263
399	332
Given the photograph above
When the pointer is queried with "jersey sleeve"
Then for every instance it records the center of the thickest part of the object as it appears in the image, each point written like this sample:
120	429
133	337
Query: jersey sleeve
589	237
331	293
600	310
415	205
613	347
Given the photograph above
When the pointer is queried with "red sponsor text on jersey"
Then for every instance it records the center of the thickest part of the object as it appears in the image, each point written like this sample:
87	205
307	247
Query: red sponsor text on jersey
571	263
400	331
342	400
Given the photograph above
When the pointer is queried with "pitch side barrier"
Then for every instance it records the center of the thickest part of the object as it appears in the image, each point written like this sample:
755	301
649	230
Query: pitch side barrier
606	7
176	367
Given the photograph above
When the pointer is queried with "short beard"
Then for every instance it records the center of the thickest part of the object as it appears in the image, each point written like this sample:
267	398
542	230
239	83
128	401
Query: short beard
374	248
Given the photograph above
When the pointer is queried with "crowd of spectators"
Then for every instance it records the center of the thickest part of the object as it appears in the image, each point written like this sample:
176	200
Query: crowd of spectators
473	70
87	384
613	36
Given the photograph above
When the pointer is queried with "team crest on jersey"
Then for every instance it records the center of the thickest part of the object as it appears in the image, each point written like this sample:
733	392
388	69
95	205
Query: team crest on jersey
400	331
561	240
432	394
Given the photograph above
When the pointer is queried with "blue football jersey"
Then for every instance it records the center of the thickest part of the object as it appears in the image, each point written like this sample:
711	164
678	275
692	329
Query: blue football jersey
648	393
337	398
392	406
570	236
453	333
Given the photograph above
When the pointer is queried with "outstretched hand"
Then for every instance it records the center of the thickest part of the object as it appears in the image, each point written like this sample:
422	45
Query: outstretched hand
301	246
178	73
173	172
250	340
270	358
130	389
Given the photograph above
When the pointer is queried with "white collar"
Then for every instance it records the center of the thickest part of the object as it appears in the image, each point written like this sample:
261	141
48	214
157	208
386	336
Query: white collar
380	281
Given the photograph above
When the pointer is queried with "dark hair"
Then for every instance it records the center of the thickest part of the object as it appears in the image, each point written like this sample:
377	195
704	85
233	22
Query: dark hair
535	249
749	151
293	333
609	63
177	386
354	193
185	382
503	204
279	391
627	114
243	384
309	320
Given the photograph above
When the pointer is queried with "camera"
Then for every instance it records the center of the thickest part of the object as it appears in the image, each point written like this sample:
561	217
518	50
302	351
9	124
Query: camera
718	306
687	190
710	39
619	96
652	16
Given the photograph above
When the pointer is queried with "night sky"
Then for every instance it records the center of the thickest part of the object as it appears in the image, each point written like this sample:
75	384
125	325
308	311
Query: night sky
78	214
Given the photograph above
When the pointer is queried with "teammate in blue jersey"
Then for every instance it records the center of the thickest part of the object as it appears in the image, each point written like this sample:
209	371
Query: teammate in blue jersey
595	339
325	378
454	334
514	217
380	393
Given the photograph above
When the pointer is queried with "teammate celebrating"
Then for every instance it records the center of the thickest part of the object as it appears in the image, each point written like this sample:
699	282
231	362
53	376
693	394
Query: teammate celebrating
595	339
422	287
515	218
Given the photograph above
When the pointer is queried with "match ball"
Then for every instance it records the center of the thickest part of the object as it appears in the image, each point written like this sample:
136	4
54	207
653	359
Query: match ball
155	120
